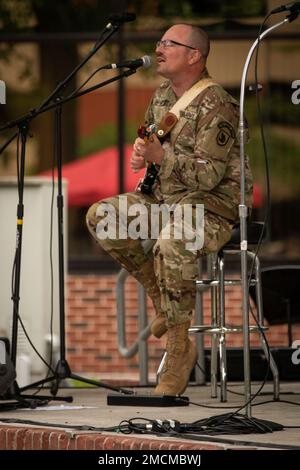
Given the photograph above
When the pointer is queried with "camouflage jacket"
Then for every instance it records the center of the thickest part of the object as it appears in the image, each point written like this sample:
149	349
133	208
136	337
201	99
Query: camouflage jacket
201	161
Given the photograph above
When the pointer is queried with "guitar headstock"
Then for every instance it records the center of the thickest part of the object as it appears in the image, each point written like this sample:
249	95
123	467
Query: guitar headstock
162	130
145	132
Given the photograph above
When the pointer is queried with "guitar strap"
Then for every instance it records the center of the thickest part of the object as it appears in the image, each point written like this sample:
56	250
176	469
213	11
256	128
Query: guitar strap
190	94
171	118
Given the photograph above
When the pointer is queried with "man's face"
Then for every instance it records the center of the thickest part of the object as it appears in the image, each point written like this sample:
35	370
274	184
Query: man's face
174	59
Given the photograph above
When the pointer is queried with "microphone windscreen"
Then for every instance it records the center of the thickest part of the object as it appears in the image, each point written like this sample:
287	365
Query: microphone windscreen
147	61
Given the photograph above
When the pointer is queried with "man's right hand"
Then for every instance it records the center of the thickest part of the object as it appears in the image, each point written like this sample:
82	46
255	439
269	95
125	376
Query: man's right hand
137	162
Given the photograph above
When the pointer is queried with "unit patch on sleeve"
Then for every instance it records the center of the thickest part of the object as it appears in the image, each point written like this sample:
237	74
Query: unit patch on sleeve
225	132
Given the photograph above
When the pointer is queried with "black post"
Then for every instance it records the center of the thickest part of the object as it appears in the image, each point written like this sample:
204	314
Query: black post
62	368
121	115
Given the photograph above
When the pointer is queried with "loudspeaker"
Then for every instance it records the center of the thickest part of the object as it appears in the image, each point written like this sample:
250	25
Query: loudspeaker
7	370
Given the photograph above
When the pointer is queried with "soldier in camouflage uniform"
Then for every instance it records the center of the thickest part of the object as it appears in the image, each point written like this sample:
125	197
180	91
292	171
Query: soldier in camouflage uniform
199	163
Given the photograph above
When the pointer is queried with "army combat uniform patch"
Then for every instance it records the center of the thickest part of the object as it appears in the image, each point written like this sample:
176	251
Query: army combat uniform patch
226	132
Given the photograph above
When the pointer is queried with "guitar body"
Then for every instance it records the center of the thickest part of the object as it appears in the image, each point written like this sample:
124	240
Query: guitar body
145	133
149	178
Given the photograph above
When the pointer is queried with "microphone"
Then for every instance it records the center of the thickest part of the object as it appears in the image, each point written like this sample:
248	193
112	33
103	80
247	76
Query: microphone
124	18
144	61
292	7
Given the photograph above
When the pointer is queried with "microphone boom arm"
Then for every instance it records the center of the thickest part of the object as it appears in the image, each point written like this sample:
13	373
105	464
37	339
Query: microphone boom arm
112	29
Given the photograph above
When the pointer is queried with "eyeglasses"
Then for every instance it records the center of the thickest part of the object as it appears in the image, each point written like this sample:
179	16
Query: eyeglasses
171	43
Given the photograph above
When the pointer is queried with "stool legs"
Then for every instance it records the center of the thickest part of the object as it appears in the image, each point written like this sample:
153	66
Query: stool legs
212	271
199	340
218	328
222	349
222	325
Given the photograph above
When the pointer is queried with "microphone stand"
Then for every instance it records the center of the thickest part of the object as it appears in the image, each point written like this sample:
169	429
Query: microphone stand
62	370
243	212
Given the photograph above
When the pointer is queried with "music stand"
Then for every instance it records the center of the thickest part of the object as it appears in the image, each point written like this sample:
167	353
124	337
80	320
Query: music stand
280	293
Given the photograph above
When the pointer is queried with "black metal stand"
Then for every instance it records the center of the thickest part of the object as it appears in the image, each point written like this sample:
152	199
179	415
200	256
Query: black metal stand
62	370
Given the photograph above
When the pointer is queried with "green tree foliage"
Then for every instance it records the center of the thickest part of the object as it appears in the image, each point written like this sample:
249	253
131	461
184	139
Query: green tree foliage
59	16
56	61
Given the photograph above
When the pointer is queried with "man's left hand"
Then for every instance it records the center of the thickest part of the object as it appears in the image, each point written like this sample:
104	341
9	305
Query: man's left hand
151	150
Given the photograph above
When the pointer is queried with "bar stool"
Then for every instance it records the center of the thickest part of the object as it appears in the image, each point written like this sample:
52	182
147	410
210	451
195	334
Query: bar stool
218	327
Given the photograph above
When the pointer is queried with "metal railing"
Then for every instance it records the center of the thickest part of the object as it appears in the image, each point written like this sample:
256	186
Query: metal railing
140	346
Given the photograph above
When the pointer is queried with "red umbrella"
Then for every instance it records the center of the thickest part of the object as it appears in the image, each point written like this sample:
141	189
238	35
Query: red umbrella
96	177
258	197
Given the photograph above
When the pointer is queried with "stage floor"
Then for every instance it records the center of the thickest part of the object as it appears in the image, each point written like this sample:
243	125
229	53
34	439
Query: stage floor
89	408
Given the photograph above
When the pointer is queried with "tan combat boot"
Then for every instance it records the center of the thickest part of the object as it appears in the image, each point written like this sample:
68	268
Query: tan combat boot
159	326
180	360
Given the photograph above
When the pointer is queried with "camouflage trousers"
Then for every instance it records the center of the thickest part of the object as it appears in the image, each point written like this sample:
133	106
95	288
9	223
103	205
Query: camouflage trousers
168	269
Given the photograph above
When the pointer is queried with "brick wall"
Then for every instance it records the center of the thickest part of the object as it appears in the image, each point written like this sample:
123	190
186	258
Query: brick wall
92	343
25	438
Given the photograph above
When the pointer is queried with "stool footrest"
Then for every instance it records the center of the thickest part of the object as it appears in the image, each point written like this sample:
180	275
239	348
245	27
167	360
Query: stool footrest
219	330
207	283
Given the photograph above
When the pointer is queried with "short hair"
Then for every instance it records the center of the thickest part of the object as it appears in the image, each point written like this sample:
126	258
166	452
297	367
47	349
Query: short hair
200	40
